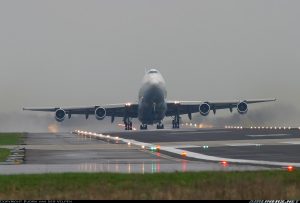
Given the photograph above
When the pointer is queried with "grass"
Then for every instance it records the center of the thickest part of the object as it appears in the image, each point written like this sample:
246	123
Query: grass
10	138
192	185
4	153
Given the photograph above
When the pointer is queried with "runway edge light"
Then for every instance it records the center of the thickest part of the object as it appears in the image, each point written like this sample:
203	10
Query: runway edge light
224	163
290	168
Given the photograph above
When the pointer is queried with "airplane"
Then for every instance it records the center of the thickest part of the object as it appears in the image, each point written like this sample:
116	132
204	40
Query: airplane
152	106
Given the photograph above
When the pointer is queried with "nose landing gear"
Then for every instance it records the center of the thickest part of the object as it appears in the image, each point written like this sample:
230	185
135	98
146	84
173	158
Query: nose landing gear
160	126
143	127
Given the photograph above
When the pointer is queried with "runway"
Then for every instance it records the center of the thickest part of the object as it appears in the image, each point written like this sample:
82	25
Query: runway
205	150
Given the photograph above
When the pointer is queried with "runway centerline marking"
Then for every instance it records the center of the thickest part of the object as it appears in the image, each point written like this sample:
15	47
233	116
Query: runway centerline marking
268	135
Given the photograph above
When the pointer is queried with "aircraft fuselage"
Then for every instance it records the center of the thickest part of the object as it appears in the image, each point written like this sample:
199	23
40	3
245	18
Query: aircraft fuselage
152	98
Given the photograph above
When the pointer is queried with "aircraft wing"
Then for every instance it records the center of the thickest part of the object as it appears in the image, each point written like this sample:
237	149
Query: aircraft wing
188	107
114	110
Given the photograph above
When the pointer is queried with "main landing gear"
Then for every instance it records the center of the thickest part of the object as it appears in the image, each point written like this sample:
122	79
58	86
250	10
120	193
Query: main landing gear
175	122
128	124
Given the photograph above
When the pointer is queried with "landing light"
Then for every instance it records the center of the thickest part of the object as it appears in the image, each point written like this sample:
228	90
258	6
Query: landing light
129	143
157	147
183	154
143	147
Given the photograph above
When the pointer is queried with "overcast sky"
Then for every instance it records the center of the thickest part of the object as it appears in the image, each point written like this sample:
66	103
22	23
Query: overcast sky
93	52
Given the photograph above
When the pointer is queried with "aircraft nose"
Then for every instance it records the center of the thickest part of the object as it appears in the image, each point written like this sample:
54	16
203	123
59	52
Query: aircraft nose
155	86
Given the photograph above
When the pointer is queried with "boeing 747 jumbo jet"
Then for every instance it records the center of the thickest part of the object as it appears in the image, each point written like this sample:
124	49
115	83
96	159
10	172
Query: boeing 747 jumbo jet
152	106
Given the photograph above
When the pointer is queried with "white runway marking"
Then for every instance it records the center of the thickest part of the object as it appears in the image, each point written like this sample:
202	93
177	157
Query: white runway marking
206	157
291	142
268	135
214	158
184	146
242	144
174	133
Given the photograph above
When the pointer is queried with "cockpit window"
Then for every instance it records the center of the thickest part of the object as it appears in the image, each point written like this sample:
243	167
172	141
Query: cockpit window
153	71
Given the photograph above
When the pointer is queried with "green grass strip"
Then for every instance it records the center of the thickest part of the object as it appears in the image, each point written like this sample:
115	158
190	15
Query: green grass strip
4	153
10	138
191	185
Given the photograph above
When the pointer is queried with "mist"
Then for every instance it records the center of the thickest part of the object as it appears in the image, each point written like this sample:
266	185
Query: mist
85	53
277	114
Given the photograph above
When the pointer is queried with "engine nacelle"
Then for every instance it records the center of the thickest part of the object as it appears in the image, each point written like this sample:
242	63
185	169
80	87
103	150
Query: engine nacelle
100	113
204	109
242	107
60	115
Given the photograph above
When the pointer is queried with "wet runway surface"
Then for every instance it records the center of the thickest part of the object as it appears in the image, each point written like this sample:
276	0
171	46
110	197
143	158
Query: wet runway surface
183	135
68	152
282	153
67	148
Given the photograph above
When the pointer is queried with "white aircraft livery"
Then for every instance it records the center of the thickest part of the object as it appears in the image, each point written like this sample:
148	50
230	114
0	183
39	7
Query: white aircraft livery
152	106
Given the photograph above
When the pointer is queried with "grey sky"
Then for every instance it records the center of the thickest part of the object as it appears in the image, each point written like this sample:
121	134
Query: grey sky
93	52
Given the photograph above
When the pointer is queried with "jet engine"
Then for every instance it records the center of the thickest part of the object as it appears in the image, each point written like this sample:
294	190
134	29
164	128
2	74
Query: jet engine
204	109
242	107
60	115
100	113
